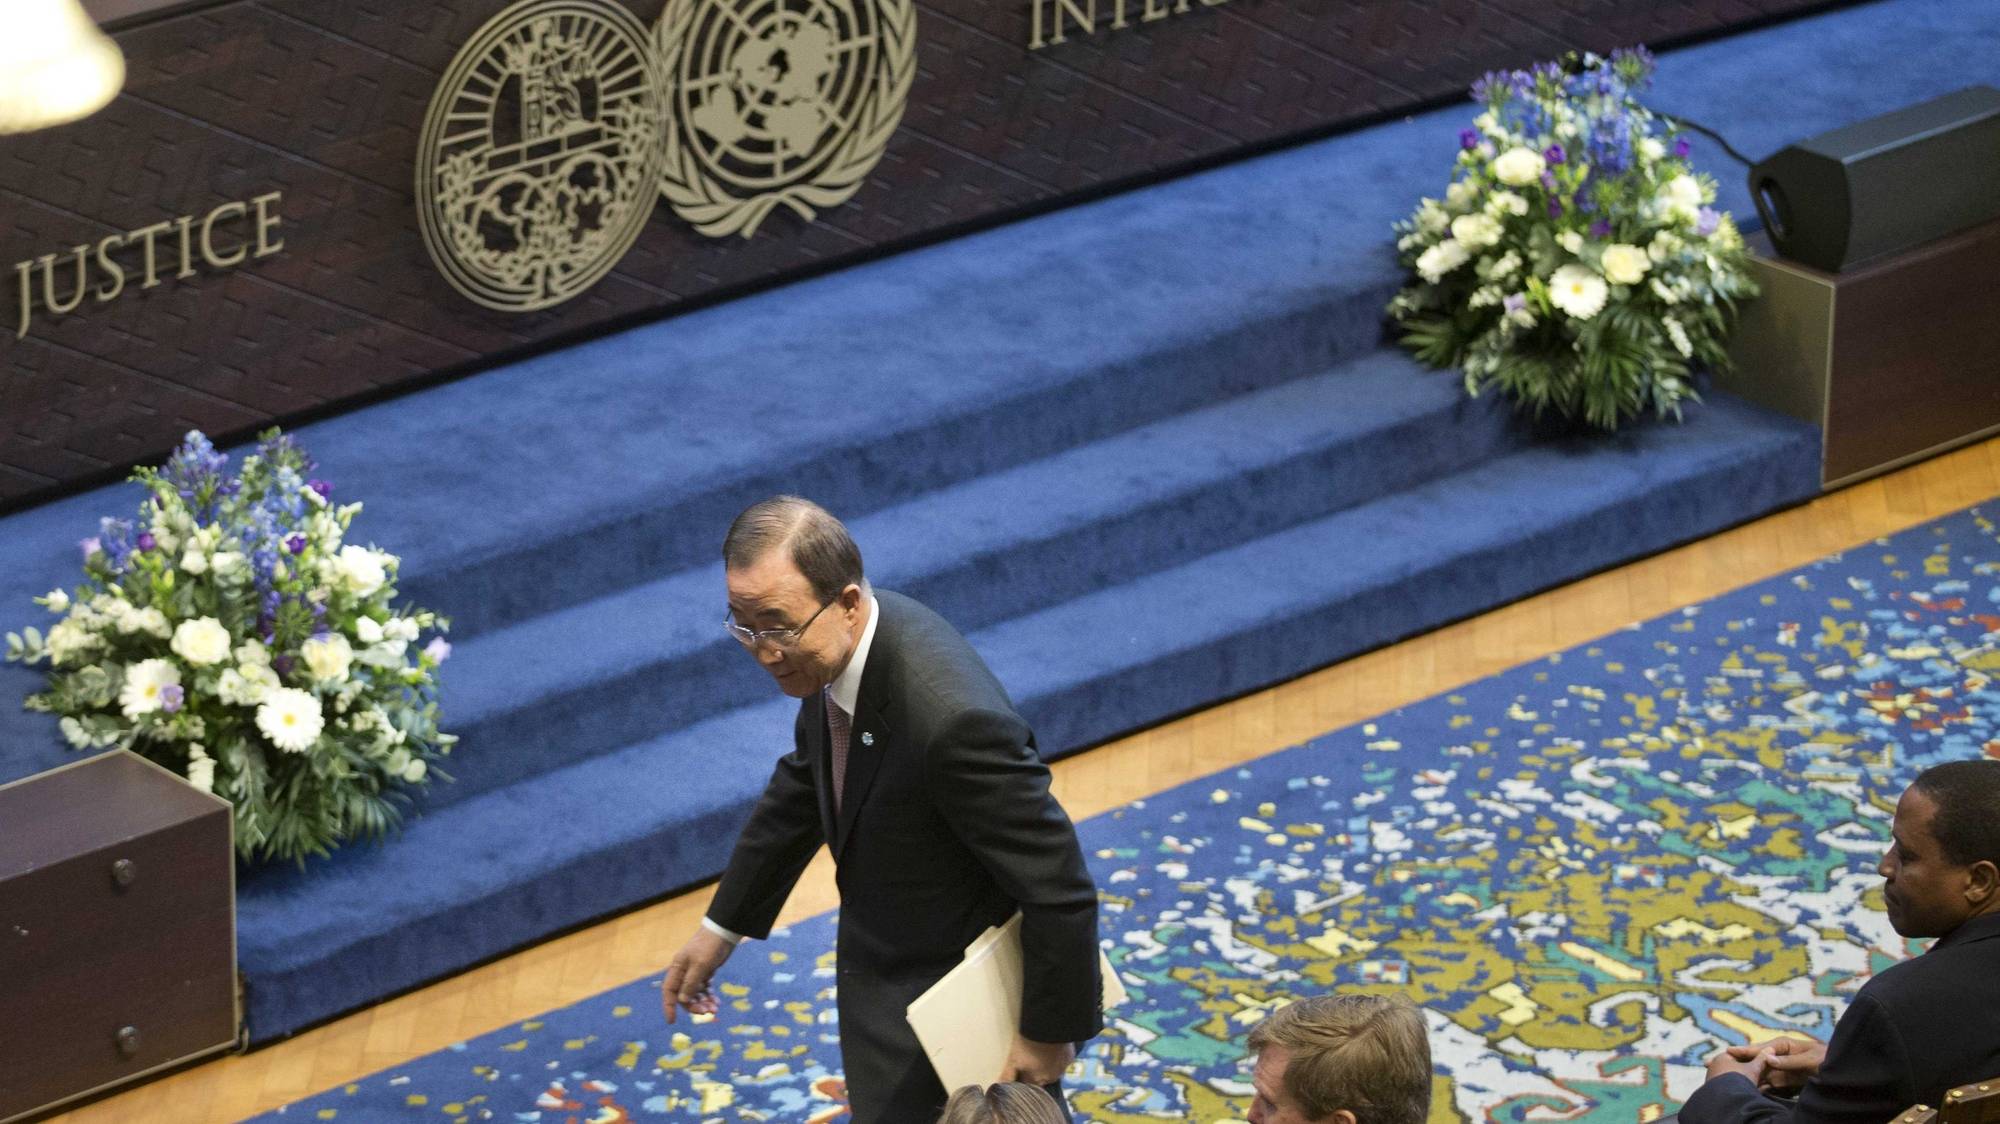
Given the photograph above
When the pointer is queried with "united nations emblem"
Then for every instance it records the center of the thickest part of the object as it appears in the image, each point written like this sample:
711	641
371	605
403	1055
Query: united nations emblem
778	102
540	154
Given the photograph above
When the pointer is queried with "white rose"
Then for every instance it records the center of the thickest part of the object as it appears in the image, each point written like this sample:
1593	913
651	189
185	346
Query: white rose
143	683
1518	167
1570	240
362	570
327	657
1625	264
202	641
1682	197
1578	291
1476	232
1441	259
291	718
226	563
194	561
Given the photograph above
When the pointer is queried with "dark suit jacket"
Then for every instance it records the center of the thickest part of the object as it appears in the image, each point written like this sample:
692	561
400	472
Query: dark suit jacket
1917	1029
946	827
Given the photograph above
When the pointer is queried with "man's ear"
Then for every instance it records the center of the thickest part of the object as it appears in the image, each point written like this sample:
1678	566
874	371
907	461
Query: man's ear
1982	884
1338	1116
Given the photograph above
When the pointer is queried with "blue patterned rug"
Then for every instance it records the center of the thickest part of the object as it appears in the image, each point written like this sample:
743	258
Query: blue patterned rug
1591	871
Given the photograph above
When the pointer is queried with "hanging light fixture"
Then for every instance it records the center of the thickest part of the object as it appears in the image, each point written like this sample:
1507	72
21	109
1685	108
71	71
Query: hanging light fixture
55	65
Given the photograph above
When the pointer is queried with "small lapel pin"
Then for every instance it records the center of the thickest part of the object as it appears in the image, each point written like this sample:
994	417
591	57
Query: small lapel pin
867	738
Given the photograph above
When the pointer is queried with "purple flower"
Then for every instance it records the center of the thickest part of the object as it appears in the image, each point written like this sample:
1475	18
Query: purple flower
1468	138
146	541
296	544
1682	147
1549	180
281	664
1600	229
1514	302
325	489
1554	154
1555	208
172	696
89	546
1706	220
439	649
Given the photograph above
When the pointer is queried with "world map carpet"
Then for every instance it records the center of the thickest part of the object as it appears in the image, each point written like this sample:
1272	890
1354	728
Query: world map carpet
1591	872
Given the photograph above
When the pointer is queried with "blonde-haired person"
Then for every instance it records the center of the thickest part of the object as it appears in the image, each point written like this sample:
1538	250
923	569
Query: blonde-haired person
1342	1059
1009	1102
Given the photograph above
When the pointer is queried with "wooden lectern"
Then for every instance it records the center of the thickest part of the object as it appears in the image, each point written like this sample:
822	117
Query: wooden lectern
117	929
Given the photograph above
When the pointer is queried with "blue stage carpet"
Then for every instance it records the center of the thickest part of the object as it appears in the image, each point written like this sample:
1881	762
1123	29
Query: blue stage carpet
1592	872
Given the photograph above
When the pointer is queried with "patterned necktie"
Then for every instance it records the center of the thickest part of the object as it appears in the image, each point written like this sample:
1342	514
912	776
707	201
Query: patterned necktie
837	725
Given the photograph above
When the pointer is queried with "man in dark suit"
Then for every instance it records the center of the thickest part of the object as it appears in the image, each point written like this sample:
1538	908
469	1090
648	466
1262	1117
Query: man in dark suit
911	764
1920	1027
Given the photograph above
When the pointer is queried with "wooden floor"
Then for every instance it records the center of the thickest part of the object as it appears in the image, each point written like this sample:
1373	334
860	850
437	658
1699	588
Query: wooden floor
572	968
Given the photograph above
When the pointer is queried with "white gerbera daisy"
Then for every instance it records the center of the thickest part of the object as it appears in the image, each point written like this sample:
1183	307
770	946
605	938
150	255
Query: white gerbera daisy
144	681
291	718
1578	291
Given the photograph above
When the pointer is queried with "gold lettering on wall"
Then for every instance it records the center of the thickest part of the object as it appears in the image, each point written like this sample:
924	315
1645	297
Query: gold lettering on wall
1050	22
227	236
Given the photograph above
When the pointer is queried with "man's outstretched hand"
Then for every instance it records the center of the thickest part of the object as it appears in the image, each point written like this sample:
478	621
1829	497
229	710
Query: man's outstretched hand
690	974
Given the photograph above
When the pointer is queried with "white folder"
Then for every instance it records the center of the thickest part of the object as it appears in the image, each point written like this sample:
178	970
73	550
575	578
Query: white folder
966	1021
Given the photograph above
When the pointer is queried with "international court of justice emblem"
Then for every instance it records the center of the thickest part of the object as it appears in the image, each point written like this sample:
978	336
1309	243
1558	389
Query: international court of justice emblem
778	102
541	153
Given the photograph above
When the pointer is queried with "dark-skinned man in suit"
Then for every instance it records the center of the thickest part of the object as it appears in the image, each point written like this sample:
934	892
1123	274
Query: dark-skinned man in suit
1919	1027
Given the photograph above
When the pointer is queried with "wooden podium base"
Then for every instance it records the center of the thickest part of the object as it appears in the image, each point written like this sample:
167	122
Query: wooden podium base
1895	360
117	929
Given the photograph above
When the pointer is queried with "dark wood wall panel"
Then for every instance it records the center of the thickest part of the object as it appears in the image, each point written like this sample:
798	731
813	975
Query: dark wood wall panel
324	101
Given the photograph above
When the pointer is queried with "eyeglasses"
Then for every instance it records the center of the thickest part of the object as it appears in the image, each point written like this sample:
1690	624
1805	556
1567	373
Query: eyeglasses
780	638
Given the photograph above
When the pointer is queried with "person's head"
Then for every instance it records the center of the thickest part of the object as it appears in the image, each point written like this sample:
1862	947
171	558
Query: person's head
1009	1102
797	597
1354	1059
1943	864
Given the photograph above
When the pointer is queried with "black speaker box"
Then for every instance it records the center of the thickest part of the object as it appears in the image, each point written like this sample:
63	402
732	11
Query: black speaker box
1886	184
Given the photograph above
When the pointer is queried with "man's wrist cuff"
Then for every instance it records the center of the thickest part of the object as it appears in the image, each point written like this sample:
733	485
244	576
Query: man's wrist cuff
725	934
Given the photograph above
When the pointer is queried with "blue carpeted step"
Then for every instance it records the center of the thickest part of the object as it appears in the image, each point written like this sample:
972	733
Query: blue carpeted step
510	865
642	661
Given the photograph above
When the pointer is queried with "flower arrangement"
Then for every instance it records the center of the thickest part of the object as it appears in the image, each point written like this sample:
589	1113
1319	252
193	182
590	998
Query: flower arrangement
230	634
1576	261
